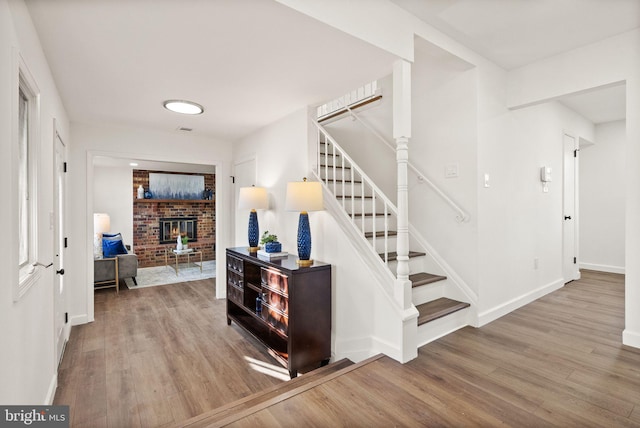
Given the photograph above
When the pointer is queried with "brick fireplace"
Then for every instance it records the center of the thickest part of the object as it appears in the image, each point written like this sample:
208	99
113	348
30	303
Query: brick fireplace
147	215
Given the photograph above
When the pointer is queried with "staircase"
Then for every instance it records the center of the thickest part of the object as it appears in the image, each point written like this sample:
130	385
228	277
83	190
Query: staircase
442	306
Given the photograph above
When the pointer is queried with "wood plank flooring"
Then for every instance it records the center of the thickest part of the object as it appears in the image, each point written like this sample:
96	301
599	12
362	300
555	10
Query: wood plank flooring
157	356
556	362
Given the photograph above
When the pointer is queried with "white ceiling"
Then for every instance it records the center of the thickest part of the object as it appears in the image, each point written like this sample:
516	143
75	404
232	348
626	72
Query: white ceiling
251	62
513	33
248	62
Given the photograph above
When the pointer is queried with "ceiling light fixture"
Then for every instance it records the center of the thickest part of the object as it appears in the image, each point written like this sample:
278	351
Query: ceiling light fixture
182	106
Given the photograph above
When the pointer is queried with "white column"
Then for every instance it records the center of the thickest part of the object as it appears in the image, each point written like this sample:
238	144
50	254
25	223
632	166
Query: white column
402	133
631	333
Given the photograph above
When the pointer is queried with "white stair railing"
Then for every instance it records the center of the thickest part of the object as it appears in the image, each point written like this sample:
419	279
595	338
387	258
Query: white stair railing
352	187
461	215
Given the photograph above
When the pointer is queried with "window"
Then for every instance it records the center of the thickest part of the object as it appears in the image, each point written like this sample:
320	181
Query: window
26	113
24	215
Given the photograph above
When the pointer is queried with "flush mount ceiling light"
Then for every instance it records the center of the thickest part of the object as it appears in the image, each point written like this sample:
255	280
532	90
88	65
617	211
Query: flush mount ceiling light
182	106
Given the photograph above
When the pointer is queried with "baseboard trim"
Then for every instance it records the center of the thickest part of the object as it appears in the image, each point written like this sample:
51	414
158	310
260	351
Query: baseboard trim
389	349
51	392
603	268
355	349
513	304
79	319
631	338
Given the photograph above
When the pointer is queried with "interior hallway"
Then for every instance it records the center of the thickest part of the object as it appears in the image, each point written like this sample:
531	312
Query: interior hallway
160	355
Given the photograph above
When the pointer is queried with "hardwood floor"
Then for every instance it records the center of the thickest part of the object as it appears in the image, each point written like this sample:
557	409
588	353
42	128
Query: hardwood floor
556	362
157	356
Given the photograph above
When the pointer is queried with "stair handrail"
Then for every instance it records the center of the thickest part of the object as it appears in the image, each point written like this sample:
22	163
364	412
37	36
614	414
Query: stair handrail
461	216
355	166
388	209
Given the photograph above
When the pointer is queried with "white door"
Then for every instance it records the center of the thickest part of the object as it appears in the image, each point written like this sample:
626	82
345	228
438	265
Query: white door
244	176
61	323
570	223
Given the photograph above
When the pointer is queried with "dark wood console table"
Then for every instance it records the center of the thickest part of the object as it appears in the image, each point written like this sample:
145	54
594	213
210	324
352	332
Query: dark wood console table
294	321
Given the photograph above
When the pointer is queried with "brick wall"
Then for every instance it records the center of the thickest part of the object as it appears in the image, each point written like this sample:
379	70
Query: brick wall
146	221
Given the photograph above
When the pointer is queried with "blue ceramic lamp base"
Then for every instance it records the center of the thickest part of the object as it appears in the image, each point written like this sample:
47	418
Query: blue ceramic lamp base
304	240
254	231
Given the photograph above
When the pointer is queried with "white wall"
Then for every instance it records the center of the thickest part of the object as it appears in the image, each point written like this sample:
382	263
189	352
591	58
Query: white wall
375	158
112	189
27	359
602	199
518	222
444	131
359	303
120	142
603	63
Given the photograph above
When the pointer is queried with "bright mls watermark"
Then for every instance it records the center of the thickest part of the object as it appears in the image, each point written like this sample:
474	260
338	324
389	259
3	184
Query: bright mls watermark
34	416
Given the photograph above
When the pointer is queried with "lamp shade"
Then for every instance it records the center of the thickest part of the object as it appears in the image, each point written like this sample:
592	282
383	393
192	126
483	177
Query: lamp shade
304	196
101	223
251	198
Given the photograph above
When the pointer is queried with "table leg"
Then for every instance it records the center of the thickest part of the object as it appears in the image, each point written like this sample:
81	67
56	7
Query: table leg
200	261
176	264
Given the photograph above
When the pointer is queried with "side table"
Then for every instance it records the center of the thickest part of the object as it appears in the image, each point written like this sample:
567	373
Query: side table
177	254
105	273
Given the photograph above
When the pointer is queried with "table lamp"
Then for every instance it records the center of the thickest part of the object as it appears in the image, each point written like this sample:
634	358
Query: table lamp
253	198
101	224
304	196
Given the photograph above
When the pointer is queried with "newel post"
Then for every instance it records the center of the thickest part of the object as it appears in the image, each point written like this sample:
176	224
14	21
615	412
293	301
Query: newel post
402	133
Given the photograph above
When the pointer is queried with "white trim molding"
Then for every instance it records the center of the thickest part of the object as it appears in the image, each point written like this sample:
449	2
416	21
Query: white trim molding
631	338
603	268
493	314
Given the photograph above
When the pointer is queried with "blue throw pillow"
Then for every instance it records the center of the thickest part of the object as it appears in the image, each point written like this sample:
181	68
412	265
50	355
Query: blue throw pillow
112	236
112	245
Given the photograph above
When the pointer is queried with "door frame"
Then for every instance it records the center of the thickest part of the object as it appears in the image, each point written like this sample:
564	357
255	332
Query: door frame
61	324
222	214
570	268
235	189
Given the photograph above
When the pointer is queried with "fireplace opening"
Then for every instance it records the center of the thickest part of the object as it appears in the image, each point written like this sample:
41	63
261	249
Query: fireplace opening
170	228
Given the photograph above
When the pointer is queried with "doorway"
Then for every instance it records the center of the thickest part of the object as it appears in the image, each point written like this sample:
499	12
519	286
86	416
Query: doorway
569	207
62	327
244	176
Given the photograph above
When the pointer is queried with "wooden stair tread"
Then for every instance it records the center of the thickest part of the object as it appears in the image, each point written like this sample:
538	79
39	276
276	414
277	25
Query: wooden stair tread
278	393
369	235
423	278
438	308
345	181
368	214
354	197
394	255
336	167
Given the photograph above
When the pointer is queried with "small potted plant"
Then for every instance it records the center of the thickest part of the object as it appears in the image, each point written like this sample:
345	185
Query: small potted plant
185	242
270	242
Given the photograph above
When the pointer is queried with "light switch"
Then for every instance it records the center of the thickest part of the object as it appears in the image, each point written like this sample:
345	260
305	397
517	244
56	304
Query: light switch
486	180
451	170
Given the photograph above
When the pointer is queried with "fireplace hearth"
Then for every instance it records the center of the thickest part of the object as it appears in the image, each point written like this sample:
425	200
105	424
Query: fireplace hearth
170	228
